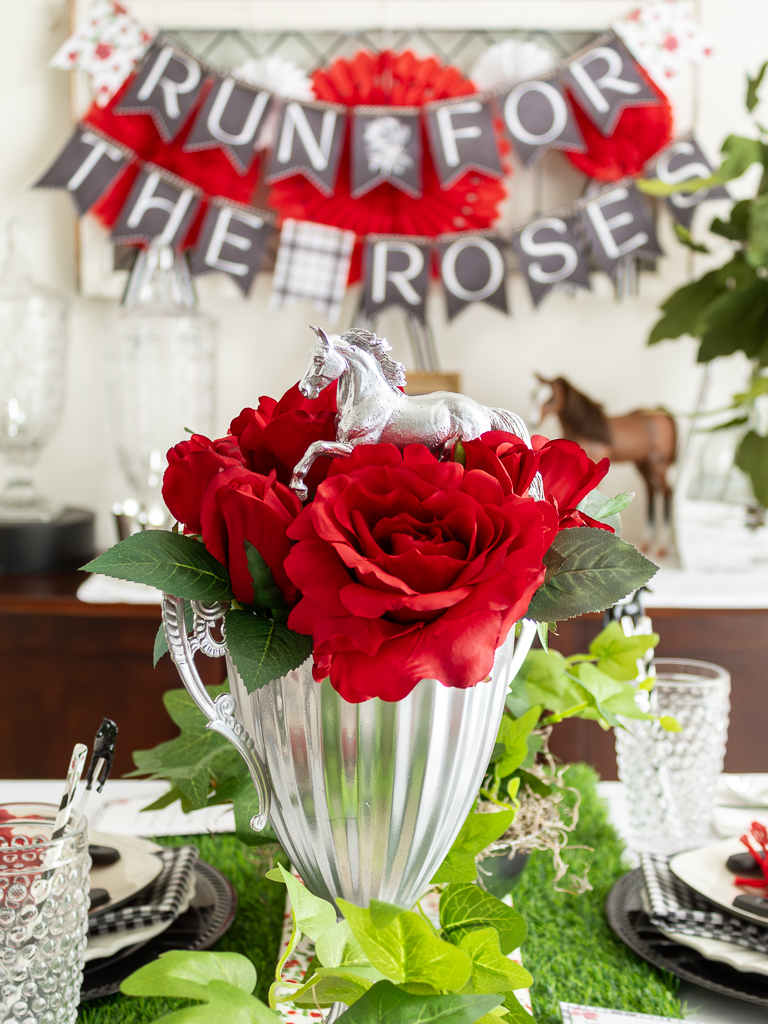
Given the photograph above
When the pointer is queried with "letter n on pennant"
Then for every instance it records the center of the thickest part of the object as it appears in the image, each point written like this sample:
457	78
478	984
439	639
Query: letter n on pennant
309	141
396	274
156	209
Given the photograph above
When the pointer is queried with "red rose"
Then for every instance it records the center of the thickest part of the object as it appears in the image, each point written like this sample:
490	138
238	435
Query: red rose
567	472
411	568
277	434
192	465
240	506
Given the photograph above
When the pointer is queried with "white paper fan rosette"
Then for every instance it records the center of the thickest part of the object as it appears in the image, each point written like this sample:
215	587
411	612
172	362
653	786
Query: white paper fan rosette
510	60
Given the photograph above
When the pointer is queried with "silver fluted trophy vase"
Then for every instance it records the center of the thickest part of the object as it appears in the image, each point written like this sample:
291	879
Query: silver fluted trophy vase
366	799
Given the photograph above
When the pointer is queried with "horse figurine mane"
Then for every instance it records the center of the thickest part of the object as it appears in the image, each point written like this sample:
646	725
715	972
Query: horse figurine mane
393	372
372	408
582	415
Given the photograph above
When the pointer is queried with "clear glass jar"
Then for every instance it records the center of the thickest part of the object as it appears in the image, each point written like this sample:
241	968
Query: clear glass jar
670	778
33	347
44	899
161	360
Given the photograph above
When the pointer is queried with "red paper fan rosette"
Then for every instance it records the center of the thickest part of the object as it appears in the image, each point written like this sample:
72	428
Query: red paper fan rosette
641	132
403	80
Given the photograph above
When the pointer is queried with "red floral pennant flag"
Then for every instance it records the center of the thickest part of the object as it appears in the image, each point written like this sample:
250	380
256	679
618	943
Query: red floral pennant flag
86	167
461	138
472	268
230	118
166	87
232	240
396	274
605	79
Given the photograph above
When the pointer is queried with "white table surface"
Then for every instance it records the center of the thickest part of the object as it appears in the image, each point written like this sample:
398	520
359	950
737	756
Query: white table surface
118	809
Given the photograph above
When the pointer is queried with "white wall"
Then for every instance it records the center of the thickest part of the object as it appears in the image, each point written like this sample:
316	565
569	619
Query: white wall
595	341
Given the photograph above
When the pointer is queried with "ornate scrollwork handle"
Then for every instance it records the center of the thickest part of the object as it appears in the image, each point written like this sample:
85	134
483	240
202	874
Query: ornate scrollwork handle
220	712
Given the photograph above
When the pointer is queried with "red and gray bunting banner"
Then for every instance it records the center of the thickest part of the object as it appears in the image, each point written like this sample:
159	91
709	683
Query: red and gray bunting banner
551	254
157	209
230	118
618	224
232	240
462	139
472	269
537	116
386	146
166	87
309	141
396	274
86	168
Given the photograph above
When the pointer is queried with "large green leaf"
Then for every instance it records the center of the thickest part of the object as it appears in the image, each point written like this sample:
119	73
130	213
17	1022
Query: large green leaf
491	970
514	733
753	86
266	593
736	228
225	1004
171	562
385	1003
263	650
186	975
734	321
617	653
338	947
587	571
465	908
476	833
740	153
757	253
403	946
683	309
312	915
328	985
752	459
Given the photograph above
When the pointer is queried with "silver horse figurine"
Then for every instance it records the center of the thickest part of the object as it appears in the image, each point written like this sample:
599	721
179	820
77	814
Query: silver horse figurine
372	408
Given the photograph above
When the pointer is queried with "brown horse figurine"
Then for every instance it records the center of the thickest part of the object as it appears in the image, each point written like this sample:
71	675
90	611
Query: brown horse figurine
647	437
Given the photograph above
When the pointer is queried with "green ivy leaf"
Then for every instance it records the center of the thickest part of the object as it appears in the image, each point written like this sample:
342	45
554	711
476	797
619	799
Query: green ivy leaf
465	908
546	682
752	459
741	152
617	653
753	85
736	320
587	571
476	833
266	593
338	947
403	946
329	985
263	650
225	1005
683	309
385	1003
312	915
736	228
491	970
514	733
185	974
685	238
171	562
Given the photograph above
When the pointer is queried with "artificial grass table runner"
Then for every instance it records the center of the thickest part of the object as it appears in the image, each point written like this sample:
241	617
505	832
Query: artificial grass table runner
570	950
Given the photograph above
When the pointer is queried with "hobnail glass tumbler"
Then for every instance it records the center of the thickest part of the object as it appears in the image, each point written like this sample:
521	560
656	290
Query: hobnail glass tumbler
44	886
670	777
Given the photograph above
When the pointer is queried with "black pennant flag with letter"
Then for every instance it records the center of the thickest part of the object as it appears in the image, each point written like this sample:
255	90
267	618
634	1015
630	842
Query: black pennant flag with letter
86	167
618	225
386	146
682	161
309	141
605	79
156	209
537	115
551	255
461	138
167	86
473	270
232	240
230	118
396	274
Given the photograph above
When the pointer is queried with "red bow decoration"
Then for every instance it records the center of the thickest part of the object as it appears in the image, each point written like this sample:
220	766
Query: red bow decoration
759	833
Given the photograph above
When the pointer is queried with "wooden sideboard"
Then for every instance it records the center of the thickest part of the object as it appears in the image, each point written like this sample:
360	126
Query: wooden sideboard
65	664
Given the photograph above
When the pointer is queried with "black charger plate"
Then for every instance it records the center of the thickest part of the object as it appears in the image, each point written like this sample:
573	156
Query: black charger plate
210	914
624	910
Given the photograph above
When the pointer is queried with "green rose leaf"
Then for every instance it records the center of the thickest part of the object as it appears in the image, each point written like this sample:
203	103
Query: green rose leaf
476	833
491	970
266	593
171	562
186	975
465	908
263	650
587	571
617	654
403	946
387	1004
752	459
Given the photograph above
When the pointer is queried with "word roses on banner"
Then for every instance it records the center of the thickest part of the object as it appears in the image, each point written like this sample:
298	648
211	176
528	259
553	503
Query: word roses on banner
396	274
618	226
472	269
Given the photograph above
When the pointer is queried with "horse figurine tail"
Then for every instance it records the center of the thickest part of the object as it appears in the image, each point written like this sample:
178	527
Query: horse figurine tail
502	419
